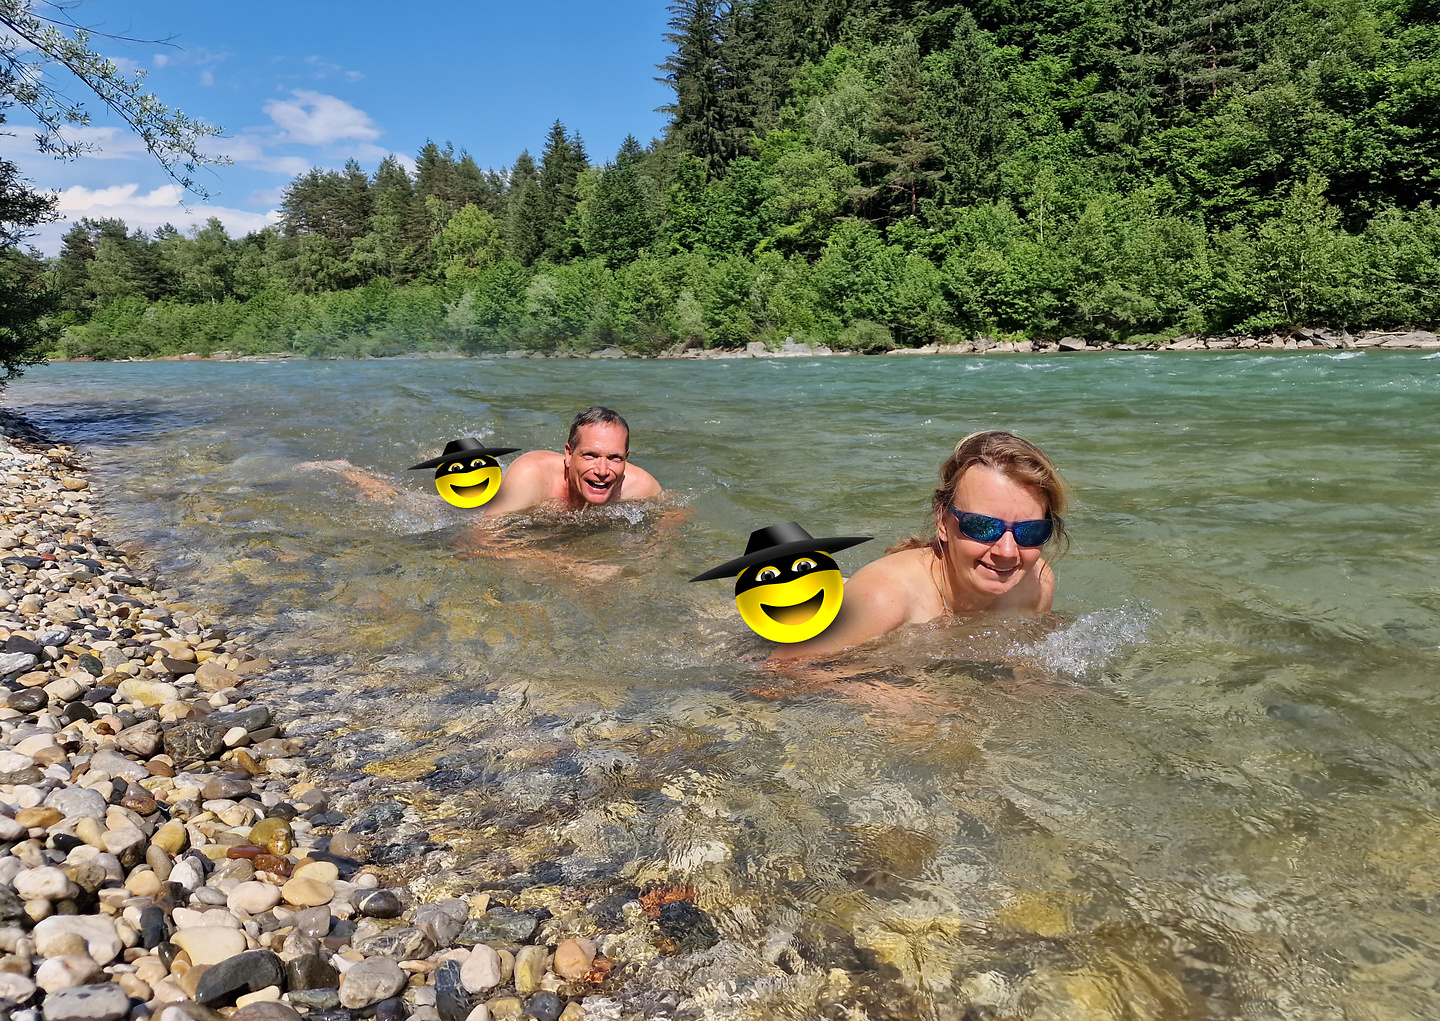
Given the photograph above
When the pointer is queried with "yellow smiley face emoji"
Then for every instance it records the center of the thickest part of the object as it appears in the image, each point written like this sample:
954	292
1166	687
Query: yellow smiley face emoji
466	472
787	587
468	483
790	600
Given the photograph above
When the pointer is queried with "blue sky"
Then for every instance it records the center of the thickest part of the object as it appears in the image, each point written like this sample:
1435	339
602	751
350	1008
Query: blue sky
305	83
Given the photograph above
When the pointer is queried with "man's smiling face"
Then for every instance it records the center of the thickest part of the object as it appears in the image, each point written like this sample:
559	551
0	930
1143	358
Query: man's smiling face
595	463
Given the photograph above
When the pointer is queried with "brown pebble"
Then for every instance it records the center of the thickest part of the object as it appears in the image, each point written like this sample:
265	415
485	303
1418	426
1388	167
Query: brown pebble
273	863
347	845
159	767
244	851
50	756
32	818
247	762
139	805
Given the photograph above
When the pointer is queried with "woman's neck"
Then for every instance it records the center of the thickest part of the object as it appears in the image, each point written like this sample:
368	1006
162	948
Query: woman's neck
955	597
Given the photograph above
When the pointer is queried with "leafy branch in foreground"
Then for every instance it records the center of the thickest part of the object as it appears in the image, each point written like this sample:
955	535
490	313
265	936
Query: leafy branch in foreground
32	45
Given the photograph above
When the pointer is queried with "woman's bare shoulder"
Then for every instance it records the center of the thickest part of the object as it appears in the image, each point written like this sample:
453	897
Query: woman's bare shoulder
893	581
1046	577
879	598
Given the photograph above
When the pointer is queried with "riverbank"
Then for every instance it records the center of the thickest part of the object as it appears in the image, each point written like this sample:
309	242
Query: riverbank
1302	339
166	850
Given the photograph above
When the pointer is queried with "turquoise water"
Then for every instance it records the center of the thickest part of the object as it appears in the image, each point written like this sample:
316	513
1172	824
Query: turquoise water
1206	788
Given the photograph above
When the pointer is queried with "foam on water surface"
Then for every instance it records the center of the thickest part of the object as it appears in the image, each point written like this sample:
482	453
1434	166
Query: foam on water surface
1093	643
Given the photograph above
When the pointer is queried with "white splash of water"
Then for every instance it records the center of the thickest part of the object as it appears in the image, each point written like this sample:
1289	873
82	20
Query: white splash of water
1093	642
1341	356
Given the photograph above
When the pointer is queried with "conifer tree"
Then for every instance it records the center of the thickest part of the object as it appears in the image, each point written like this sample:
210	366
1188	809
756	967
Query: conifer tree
399	224
697	117
966	103
617	225
333	205
523	214
561	164
903	159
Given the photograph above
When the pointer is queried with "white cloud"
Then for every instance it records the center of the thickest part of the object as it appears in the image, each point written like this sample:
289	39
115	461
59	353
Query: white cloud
207	78
161	59
313	118
269	197
106	143
143	210
367	153
250	151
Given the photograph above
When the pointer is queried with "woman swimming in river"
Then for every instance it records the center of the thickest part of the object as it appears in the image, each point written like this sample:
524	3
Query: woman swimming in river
999	500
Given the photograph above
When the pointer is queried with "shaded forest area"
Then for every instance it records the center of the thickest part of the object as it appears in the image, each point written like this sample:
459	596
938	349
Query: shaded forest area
869	173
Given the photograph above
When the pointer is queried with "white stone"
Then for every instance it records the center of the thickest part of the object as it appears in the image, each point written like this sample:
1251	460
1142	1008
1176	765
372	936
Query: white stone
11	761
47	883
106	1002
126	838
16	987
189	918
480	1013
64	689
481	970
270	994
370	981
10	830
35	743
16	662
188	873
61	972
210	944
253	898
74	802
97	931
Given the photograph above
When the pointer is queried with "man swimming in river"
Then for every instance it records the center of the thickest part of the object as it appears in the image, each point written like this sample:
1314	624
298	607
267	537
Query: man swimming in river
594	470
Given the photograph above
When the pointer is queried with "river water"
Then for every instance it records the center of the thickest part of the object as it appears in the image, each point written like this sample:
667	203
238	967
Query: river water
1205	788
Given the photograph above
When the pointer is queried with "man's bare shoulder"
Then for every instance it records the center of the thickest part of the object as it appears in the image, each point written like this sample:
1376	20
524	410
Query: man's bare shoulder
536	461
528	480
639	484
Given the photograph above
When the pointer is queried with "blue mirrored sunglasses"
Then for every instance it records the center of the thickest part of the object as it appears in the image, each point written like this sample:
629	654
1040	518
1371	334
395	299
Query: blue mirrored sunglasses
983	528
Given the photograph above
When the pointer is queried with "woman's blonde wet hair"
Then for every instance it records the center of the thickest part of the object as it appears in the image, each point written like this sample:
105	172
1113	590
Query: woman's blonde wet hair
1018	460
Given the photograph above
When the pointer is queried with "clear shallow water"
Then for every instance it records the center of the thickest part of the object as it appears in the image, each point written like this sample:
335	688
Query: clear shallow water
1205	789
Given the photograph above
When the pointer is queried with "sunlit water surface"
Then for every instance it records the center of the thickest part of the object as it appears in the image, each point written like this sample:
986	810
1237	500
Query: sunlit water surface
1205	789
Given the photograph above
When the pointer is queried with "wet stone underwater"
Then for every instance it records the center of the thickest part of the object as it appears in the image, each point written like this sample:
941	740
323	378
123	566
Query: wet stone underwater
1204	788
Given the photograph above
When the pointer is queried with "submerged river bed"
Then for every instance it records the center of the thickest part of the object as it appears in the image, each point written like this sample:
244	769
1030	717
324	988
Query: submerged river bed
1204	788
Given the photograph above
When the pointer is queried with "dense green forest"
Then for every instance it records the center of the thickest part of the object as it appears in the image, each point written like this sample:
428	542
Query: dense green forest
867	173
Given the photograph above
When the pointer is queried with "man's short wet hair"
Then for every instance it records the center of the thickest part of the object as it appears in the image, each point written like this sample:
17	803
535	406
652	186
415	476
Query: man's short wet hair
597	416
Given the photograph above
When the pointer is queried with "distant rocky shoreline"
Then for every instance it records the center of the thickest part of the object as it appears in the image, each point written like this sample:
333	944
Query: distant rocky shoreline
166	852
1302	339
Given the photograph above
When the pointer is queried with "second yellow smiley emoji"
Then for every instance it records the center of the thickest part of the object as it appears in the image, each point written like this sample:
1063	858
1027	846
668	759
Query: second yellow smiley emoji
787	588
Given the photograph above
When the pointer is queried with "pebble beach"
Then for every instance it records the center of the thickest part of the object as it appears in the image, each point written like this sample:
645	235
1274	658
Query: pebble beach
166	852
